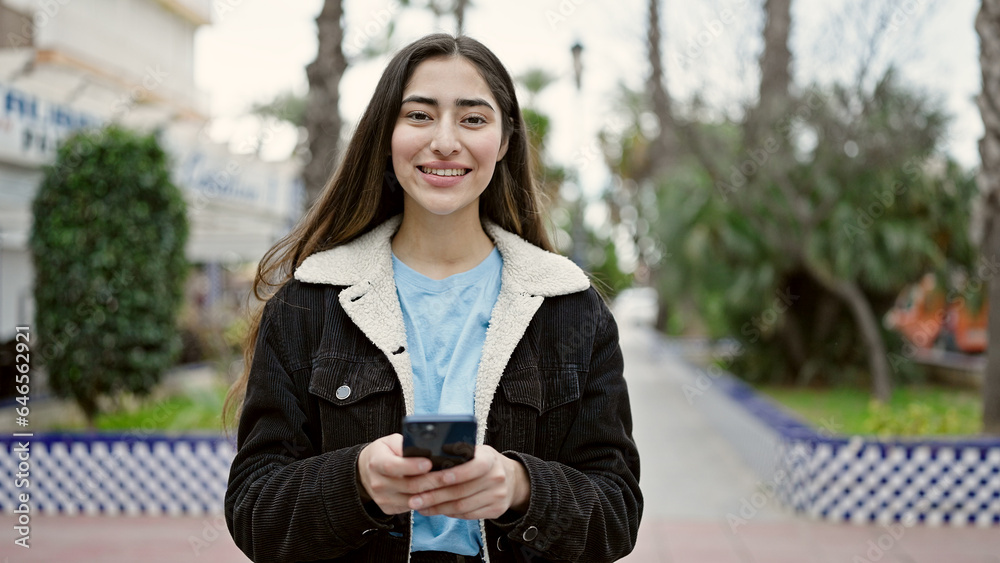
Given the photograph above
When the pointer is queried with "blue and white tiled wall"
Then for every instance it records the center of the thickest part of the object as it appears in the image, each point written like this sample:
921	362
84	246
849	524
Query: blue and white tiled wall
118	475
855	479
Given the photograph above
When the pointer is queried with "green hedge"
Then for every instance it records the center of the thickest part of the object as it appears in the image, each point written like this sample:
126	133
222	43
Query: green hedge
108	241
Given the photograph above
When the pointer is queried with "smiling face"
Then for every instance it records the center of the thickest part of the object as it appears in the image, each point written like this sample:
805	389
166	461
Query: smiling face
447	139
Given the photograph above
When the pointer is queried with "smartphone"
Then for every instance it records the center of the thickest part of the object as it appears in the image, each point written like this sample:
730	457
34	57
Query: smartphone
446	439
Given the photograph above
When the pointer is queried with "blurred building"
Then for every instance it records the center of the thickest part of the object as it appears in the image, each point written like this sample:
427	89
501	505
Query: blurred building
65	65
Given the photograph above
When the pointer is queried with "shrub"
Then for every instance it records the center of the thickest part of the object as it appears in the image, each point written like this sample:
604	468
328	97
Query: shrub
108	243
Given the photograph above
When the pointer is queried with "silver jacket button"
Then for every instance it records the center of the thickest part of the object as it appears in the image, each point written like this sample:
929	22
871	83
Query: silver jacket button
343	392
530	534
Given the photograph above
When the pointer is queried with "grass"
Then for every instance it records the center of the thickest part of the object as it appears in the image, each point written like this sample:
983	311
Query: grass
913	411
193	411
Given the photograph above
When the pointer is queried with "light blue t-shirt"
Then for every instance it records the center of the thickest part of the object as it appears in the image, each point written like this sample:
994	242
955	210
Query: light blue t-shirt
446	322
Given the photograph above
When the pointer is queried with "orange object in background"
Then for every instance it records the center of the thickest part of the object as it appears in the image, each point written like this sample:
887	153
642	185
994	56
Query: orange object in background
968	328
925	316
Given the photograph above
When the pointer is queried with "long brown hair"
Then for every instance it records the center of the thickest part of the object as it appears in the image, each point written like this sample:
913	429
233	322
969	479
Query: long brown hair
356	199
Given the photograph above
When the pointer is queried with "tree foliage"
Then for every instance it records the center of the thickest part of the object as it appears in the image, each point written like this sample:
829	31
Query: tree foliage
865	201
108	243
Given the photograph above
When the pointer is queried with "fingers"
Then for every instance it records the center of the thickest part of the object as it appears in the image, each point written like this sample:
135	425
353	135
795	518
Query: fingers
477	485
457	499
479	488
473	469
386	477
386	458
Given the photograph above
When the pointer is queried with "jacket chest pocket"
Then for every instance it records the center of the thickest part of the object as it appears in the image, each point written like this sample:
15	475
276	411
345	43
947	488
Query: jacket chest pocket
533	411
358	401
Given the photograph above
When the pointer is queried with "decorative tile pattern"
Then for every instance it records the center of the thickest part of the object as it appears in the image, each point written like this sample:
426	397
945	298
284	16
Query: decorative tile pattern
855	479
119	474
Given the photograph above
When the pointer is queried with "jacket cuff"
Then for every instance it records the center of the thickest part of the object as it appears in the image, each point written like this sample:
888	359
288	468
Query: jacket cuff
532	527
349	518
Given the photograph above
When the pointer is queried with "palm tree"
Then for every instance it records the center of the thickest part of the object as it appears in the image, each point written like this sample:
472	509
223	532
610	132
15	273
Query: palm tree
322	115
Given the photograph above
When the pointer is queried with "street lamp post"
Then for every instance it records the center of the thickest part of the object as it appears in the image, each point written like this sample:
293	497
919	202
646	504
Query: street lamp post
579	245
577	50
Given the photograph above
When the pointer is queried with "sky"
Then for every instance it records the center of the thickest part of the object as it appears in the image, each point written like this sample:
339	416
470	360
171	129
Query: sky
257	49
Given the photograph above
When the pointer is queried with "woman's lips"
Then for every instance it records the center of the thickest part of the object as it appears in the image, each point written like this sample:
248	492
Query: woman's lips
443	181
444	170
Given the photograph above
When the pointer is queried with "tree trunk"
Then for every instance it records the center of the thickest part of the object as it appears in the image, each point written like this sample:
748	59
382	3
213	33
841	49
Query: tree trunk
663	149
322	107
988	26
460	6
775	74
991	384
867	322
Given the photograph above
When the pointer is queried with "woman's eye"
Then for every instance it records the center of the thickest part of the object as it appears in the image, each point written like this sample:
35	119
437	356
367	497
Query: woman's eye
418	116
475	120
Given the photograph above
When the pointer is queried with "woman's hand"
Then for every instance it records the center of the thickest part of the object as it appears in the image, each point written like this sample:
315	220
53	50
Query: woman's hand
483	487
388	478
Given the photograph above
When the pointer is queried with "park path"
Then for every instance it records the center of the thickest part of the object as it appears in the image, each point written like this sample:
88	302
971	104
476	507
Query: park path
700	503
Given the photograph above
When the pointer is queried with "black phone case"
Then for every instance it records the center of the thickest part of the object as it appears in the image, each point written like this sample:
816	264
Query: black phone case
446	439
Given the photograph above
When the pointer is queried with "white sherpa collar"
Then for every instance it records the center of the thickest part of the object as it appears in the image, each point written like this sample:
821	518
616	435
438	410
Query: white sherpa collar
527	268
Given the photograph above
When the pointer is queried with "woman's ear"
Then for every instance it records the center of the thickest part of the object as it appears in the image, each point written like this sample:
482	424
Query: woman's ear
503	148
506	141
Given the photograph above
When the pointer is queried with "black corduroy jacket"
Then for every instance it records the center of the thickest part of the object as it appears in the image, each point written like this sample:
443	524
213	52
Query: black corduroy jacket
331	373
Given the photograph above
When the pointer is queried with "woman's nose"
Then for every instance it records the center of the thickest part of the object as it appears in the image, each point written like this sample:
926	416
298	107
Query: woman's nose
445	141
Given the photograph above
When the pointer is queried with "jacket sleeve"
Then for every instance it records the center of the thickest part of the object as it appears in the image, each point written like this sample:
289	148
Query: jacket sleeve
286	501
586	505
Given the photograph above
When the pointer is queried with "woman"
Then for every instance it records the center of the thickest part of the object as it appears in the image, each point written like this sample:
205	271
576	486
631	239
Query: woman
421	282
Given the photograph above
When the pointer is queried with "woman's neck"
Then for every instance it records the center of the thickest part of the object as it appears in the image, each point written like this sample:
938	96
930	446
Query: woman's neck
439	247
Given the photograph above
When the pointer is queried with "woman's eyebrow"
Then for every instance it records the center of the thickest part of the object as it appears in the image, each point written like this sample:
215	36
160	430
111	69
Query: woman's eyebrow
461	102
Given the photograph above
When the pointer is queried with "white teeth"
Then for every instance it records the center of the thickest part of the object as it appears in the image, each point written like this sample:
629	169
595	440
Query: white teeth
444	171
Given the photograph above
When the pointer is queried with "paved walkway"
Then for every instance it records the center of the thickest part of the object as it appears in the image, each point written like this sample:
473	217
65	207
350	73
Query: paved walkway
110	539
694	485
698	491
